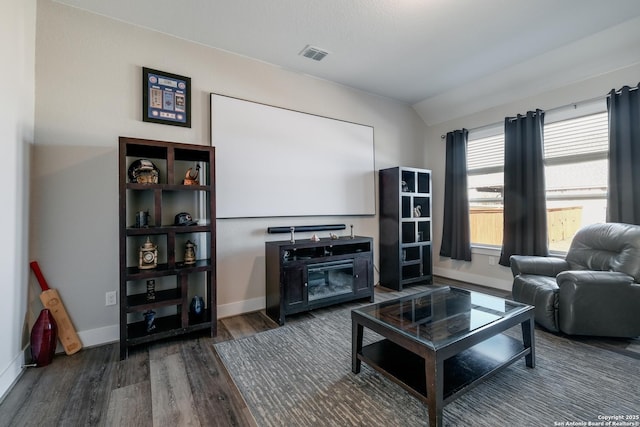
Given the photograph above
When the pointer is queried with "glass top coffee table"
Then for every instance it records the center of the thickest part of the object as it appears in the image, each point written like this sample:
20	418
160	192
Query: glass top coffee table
441	343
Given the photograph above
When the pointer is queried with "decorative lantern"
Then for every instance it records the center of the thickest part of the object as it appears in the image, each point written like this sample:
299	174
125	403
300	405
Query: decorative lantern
190	252
148	256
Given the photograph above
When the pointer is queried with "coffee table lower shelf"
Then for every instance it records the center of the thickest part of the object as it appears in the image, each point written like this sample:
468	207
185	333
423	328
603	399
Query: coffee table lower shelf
461	372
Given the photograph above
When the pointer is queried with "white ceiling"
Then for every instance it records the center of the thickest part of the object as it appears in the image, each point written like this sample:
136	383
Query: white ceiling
421	52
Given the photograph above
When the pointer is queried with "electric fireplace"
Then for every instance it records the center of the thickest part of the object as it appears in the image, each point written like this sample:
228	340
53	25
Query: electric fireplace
306	275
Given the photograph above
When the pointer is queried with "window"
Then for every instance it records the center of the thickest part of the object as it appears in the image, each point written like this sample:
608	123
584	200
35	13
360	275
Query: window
576	168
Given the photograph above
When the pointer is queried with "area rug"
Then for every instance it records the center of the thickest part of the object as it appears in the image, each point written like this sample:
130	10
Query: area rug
300	375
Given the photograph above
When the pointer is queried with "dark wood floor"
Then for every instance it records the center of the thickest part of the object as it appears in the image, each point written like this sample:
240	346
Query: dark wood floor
180	382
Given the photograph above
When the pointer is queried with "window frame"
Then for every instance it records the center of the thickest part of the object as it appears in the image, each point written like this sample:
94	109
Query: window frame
573	111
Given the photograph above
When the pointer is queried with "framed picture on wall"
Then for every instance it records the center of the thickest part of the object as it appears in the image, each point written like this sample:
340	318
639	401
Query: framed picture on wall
166	98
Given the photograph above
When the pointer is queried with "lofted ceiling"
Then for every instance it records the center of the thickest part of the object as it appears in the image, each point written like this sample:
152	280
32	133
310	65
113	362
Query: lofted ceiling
425	53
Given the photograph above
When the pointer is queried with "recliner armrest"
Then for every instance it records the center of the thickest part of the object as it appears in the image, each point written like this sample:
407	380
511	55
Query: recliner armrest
603	303
537	265
582	278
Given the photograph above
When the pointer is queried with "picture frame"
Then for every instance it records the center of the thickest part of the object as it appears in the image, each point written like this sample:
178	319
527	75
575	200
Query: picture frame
166	98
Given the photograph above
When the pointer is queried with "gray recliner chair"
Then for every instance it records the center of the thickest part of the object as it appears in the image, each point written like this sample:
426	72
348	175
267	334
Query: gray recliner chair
595	290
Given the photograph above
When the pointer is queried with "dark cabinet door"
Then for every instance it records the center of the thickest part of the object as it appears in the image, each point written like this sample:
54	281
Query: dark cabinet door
362	274
294	283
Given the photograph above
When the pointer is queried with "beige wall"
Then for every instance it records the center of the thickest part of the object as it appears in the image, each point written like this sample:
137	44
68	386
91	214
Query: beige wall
88	80
17	48
481	270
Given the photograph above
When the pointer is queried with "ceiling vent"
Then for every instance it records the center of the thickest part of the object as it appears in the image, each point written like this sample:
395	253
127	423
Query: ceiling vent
313	52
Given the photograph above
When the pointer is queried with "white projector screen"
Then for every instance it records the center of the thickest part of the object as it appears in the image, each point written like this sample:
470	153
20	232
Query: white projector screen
273	162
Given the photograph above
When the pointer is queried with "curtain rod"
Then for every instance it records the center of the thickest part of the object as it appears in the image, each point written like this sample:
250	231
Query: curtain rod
512	119
619	91
562	107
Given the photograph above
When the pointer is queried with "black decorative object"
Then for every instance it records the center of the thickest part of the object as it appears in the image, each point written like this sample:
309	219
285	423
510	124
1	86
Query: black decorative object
302	228
150	319
184	218
166	98
196	309
151	290
142	219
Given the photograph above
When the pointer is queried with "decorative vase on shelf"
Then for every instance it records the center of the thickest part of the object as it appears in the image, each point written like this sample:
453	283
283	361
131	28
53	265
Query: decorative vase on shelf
196	309
150	320
44	337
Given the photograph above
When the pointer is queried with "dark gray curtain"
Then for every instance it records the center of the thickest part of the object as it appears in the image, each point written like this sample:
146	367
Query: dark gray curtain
456	242
525	207
623	203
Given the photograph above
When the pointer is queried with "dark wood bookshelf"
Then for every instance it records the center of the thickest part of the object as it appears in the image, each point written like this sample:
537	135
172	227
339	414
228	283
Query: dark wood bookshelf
405	237
180	282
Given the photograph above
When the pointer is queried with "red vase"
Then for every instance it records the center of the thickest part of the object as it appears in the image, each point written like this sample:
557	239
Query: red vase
44	337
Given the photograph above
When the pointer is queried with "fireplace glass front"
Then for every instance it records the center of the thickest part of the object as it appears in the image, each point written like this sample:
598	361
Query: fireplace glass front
330	279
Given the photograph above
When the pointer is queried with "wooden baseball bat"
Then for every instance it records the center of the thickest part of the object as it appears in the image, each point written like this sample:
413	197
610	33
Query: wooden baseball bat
51	300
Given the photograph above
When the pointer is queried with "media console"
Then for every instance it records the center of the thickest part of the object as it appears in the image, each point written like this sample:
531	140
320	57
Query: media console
307	274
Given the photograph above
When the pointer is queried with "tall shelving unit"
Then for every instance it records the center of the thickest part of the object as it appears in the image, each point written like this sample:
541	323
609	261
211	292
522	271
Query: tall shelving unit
405	227
174	283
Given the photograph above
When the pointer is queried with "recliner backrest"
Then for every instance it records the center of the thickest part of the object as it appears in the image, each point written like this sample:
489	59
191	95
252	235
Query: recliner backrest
607	247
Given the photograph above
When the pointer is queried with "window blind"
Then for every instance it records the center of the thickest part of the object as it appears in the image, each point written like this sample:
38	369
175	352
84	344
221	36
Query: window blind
487	152
577	137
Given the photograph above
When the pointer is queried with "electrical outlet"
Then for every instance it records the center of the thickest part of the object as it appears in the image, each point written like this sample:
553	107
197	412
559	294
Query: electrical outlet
111	298
492	260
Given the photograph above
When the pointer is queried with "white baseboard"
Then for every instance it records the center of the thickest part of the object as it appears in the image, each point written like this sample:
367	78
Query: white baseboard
11	374
240	307
490	282
99	336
